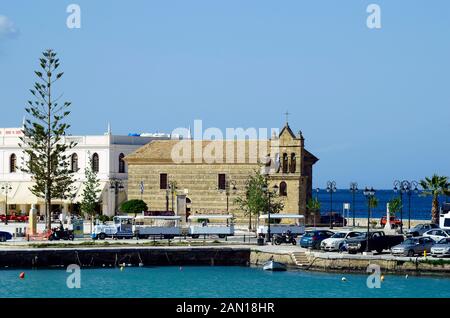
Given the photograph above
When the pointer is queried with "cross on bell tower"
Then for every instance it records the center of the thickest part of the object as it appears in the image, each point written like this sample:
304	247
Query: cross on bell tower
287	116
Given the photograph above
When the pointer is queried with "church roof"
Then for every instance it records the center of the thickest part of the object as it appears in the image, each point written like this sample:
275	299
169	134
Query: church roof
200	151
204	151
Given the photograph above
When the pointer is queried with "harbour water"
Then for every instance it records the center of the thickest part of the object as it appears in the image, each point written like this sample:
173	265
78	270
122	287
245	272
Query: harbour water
420	205
184	282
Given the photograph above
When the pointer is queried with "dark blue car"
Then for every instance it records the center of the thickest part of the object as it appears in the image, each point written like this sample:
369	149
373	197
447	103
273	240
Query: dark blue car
312	239
4	236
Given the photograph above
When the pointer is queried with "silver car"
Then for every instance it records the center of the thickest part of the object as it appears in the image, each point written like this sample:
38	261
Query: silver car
442	248
413	246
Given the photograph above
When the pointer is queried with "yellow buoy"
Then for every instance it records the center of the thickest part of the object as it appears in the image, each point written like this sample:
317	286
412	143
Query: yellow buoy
382	278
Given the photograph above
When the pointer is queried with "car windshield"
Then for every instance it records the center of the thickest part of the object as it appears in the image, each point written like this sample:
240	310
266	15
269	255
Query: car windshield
309	234
339	235
445	241
410	241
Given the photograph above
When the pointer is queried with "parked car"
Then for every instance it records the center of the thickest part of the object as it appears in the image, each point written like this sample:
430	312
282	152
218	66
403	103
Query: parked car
413	246
437	234
336	242
5	236
336	219
395	222
378	241
312	239
441	248
419	229
14	217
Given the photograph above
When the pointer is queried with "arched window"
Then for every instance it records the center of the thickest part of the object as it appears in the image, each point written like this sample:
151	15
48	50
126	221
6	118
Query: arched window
293	163
121	163
283	189
95	162
285	163
12	163
74	163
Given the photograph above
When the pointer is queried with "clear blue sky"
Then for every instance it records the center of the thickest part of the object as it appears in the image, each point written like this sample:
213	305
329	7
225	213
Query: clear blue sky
373	105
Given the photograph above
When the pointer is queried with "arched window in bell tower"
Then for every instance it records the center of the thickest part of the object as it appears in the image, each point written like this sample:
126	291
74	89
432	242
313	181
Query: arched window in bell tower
285	163
293	163
283	189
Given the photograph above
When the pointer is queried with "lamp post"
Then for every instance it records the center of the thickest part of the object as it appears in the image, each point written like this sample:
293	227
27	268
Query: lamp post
116	185
266	190
171	188
331	188
230	186
353	190
408	187
369	194
6	187
413	188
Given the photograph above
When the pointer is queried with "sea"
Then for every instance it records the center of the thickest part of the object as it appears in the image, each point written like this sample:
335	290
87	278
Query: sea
420	204
210	281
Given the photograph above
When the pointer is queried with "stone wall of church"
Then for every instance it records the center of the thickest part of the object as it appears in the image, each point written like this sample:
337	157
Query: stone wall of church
200	184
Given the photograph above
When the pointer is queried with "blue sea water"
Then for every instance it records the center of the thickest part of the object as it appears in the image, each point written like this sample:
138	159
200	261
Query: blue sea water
420	205
212	282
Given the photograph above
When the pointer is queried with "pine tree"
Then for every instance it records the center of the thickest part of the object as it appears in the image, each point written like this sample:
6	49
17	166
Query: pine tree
91	191
42	140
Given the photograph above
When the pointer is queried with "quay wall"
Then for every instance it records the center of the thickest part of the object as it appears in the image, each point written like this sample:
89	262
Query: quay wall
106	257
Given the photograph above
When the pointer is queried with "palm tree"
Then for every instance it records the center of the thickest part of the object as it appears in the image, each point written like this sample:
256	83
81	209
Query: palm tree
313	207
395	205
434	187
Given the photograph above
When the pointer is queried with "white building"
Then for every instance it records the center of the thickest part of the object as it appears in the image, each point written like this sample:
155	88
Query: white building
107	152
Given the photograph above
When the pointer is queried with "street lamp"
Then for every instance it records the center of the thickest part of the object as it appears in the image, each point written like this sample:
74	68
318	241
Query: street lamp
116	185
353	190
266	190
408	187
369	194
6	187
230	186
331	188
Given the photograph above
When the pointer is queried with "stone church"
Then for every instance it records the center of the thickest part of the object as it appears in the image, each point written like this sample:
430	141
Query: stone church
205	176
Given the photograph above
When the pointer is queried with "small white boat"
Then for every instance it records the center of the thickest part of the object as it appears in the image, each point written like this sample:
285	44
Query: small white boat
274	266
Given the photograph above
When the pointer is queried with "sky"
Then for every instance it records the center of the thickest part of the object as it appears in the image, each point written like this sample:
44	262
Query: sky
373	104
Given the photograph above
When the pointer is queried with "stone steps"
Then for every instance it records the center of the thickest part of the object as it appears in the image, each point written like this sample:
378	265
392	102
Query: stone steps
300	259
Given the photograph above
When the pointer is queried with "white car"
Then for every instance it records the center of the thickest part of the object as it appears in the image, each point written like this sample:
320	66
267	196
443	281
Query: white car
336	242
437	234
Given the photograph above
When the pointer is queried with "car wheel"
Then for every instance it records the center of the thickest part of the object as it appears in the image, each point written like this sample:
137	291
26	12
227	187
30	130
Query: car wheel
102	236
410	253
195	236
2	238
222	236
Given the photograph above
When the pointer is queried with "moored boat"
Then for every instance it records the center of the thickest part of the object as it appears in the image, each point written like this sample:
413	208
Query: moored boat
274	266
